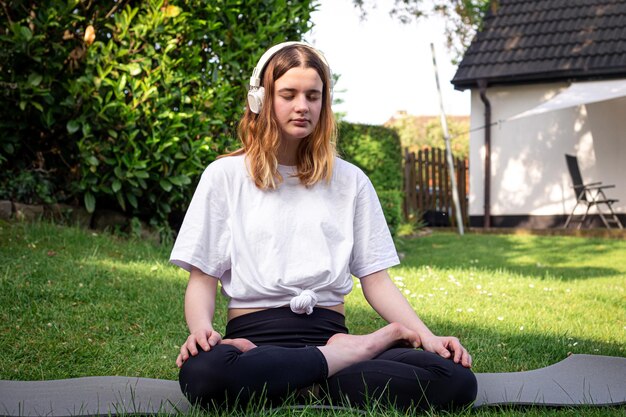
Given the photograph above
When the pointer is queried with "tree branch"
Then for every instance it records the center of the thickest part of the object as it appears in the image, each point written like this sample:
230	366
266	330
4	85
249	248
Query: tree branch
6	11
114	9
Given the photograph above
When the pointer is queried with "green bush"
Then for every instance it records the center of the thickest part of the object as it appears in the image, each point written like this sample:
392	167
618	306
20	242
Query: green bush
377	151
391	201
131	118
29	187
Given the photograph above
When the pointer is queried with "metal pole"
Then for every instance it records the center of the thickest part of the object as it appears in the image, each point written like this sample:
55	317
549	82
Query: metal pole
482	85
446	136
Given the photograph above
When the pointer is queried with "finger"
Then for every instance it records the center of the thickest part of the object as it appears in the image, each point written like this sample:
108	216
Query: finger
410	341
458	353
214	339
192	345
443	351
467	360
414	340
417	342
184	355
179	361
204	343
455	346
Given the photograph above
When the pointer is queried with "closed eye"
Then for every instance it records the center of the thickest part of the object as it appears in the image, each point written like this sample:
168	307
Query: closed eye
290	93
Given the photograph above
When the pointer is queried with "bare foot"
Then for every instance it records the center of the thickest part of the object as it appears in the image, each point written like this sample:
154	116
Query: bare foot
243	345
343	350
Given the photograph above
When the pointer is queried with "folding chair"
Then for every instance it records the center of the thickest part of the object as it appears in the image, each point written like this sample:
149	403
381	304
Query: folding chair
590	195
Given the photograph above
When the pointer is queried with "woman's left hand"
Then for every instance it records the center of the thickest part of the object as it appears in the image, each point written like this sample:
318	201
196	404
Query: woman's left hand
446	347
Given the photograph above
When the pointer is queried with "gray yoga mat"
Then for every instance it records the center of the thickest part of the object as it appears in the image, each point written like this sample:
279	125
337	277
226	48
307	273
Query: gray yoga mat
577	380
91	396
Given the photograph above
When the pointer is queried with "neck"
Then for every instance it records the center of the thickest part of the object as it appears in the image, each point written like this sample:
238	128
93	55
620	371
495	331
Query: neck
288	152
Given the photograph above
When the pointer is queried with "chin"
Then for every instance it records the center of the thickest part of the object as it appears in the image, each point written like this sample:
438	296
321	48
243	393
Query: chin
296	135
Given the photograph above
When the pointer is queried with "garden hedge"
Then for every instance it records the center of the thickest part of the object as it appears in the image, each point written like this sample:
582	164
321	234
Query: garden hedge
122	104
119	104
377	151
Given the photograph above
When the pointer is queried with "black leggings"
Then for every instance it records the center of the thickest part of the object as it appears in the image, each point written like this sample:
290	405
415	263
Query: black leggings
287	360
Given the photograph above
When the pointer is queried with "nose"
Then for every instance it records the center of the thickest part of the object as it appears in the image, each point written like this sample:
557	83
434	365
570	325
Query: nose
301	104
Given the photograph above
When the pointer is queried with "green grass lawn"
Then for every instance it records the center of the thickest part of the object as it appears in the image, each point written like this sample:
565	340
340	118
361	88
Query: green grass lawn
77	303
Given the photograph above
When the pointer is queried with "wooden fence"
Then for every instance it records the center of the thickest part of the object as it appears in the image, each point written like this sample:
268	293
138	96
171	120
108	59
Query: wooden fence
427	189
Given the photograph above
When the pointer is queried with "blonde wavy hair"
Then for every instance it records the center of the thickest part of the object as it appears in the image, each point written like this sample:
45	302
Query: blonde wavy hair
260	133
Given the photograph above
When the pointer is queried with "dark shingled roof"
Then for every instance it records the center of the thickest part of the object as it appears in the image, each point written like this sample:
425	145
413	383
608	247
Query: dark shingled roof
547	40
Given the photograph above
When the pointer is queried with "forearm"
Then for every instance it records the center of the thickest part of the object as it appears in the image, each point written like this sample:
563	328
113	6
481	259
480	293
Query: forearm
199	309
200	300
387	300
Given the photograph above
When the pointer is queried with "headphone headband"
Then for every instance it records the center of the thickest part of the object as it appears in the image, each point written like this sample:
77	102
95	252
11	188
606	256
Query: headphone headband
255	79
256	92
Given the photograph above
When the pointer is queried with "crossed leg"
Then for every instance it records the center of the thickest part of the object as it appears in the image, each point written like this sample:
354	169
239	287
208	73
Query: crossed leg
343	350
237	371
404	378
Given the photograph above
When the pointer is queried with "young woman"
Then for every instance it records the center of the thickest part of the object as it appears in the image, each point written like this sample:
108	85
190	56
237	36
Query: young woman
283	224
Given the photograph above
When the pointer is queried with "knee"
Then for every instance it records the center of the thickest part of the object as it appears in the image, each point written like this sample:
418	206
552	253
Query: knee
201	376
456	386
463	387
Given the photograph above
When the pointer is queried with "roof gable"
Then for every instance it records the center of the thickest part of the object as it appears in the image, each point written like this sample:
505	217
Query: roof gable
547	40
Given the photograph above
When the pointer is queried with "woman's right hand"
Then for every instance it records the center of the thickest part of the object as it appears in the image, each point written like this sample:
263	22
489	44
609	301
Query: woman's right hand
206	339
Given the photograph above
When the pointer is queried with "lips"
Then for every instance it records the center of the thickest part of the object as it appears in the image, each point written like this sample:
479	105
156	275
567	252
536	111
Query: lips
300	122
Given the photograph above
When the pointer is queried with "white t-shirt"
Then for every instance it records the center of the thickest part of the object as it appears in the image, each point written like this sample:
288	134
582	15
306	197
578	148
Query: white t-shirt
294	245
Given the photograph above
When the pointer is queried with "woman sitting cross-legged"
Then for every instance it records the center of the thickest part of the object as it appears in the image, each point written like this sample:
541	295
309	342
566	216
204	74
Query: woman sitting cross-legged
283	224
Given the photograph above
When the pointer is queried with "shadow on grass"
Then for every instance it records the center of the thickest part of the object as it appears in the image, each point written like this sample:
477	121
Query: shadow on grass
548	257
494	350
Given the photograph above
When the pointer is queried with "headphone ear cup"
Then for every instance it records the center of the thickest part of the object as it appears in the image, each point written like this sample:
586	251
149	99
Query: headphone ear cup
255	99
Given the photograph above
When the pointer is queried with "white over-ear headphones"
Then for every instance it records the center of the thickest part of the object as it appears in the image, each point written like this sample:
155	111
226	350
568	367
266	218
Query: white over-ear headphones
256	92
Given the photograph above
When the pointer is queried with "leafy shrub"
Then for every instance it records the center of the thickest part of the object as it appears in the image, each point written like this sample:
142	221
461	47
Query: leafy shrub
130	101
376	150
33	77
28	187
391	201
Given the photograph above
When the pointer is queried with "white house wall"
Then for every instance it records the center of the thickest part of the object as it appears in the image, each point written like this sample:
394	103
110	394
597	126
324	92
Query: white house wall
528	171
